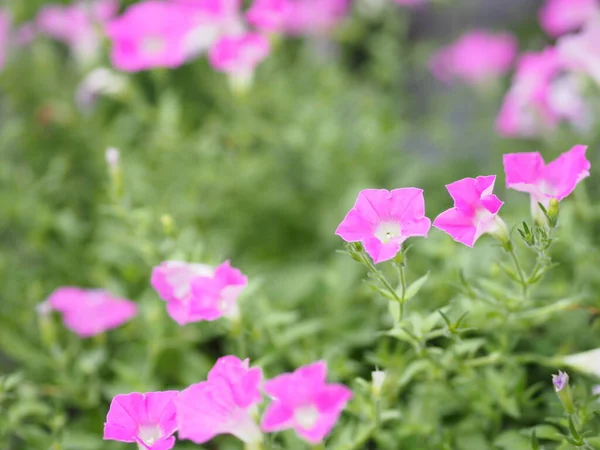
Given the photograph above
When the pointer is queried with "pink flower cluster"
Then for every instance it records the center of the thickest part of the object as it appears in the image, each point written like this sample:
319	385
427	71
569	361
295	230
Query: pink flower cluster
226	403
382	220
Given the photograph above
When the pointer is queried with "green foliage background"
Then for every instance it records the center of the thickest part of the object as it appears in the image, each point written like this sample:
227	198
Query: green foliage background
264	180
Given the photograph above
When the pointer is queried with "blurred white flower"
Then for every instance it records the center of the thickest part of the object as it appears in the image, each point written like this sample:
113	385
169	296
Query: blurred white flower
100	81
585	362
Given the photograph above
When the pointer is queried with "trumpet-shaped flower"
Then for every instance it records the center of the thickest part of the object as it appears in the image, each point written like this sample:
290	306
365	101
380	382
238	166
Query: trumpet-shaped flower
475	210
382	220
562	16
88	312
476	57
196	292
585	362
560	381
527	172
147	419
149	34
302	400
223	404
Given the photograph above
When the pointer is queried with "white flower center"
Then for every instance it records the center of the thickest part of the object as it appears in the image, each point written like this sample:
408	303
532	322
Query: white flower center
306	416
386	231
149	434
153	45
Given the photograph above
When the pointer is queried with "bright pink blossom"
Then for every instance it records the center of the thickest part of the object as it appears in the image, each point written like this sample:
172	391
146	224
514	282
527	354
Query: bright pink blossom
239	54
76	24
562	16
196	292
475	210
147	419
382	220
303	400
527	172
269	15
223	404
581	52
5	25
149	34
88	312
476	57
314	17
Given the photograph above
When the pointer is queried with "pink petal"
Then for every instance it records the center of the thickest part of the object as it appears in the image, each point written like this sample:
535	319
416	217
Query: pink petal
354	227
322	427
492	203
160	408
418	227
163	444
406	204
524	171
277	417
457	224
382	252
124	416
332	397
567	170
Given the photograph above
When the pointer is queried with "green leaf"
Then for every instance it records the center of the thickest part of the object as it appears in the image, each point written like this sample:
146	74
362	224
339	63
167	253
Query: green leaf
414	288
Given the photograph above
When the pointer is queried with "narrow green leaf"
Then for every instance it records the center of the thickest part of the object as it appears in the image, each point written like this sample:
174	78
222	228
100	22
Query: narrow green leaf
414	288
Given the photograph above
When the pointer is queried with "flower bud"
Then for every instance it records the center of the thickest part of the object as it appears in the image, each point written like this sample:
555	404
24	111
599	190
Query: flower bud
552	214
113	157
378	378
563	391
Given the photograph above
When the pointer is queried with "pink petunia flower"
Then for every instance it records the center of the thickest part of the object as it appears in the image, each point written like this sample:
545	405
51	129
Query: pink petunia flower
581	52
475	210
314	17
268	15
88	312
238	56
527	172
224	404
302	400
147	419
382	220
196	292
5	25
149	34
476	57
542	95
562	16
76	25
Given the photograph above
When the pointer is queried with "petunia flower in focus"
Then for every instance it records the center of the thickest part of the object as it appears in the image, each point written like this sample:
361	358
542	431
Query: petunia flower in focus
224	404
476	57
558	17
382	220
238	56
303	400
88	312
474	213
146	419
196	292
527	172
149	34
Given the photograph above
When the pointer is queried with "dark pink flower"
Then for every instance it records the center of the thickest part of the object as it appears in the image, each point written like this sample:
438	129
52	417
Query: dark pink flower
303	400
88	312
146	419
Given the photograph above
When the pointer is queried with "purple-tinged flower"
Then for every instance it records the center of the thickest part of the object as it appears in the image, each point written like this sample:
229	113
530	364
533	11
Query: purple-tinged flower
382	220
563	16
223	404
475	210
560	381
146	419
88	312
303	400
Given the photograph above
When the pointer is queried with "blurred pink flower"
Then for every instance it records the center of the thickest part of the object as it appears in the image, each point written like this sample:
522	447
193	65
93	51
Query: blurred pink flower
581	52
527	172
383	220
475	210
223	404
196	292
476	57
542	94
88	312
149	34
75	25
147	419
302	400
5	26
410	2
268	15
314	17
25	33
562	16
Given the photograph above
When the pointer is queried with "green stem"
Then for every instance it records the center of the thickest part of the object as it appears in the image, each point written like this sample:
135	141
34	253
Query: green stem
381	278
402	280
520	272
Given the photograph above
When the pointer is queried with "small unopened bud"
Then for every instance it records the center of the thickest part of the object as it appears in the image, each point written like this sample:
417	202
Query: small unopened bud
500	232
113	157
167	223
560	381
563	391
378	378
552	214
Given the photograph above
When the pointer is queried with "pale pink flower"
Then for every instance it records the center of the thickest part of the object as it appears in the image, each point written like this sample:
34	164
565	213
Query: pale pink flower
146	419
562	16
314	17
382	220
303	400
5	25
88	312
76	25
527	172
196	292
476	57
268	15
224	404
238	56
25	34
475	210
410	2
149	34
581	52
